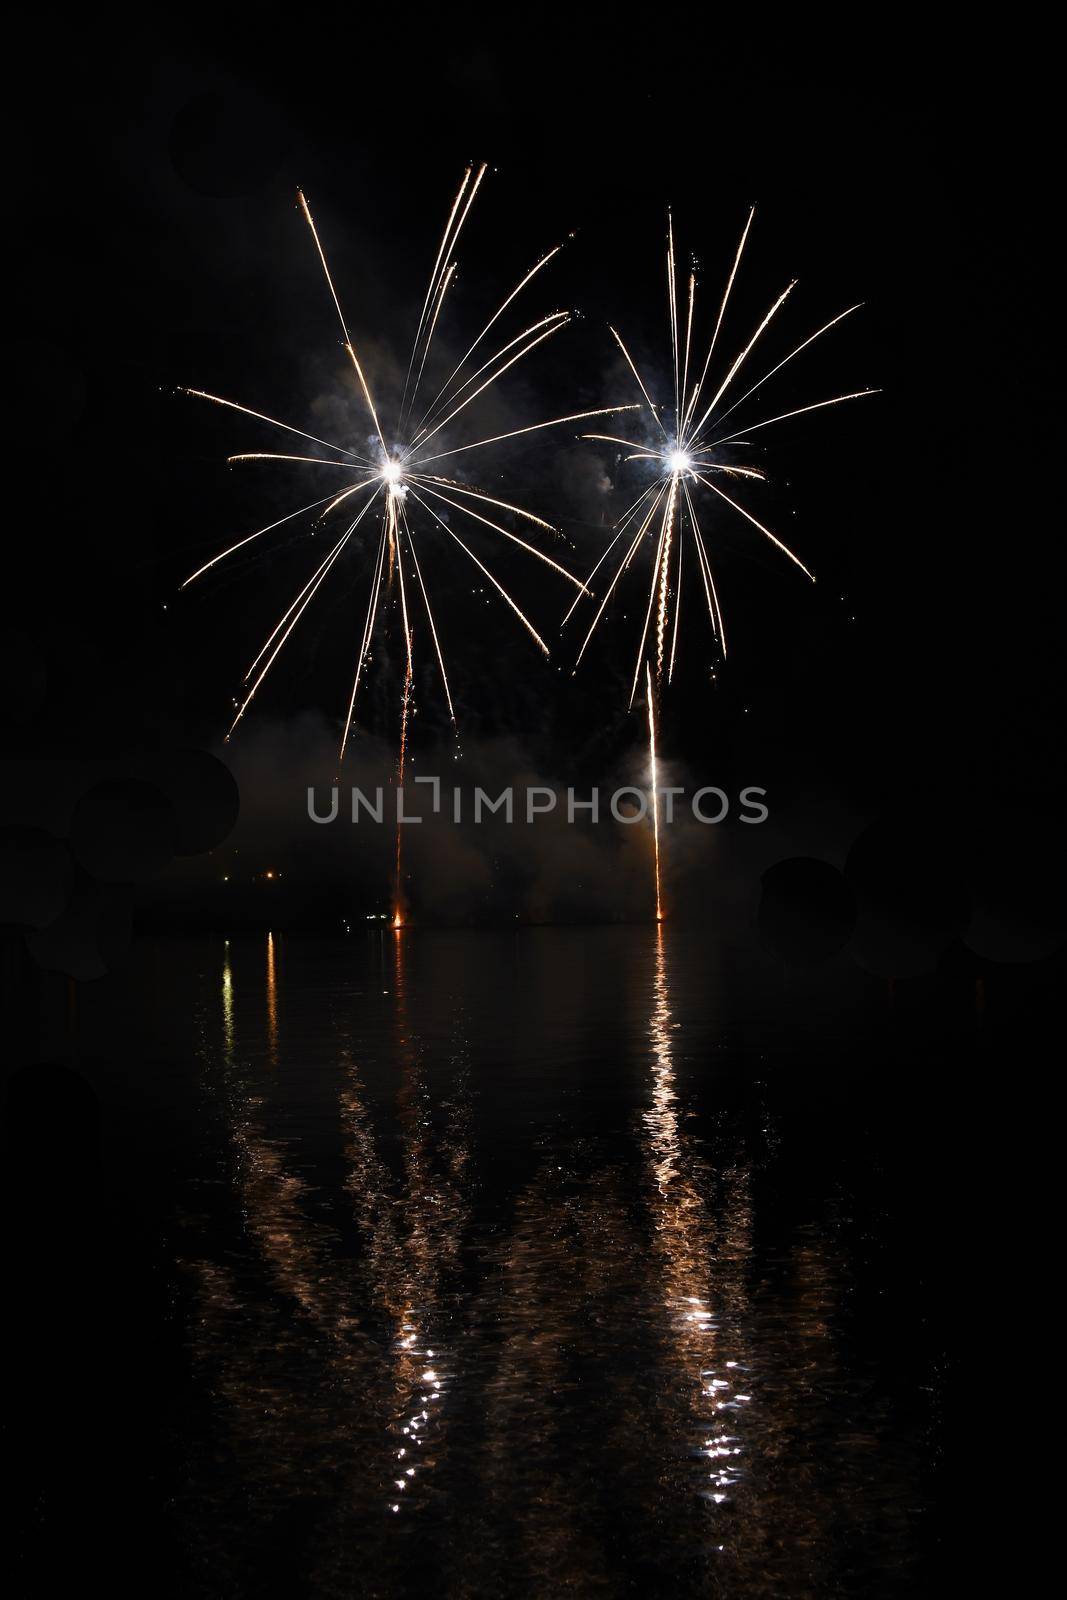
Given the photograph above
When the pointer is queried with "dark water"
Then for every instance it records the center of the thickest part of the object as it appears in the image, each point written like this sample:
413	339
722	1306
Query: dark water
556	1262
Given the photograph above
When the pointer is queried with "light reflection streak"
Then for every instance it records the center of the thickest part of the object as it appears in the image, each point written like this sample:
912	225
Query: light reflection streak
227	1003
700	1264
272	1001
411	1232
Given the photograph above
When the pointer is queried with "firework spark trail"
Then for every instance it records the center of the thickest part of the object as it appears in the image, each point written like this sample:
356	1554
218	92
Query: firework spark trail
299	512
527	624
400	520
621	569
368	630
554	320
664	579
261	416
677	612
651	601
694	401
535	427
448	242
489	523
497	314
627	517
302	601
407	467
655	785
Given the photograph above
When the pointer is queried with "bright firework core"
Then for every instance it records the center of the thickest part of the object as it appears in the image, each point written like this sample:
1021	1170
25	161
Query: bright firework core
679	462
392	472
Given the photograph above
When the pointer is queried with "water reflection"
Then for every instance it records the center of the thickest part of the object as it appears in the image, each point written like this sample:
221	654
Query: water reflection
272	1000
411	1229
227	1006
700	1266
483	1305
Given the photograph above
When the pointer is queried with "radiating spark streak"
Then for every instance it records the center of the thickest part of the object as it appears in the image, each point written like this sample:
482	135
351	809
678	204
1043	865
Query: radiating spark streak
368	630
346	494
499	587
562	317
642	530
447	243
735	472
367	396
299	512
480	494
533	550
740	360
535	427
280	624
433	628
672	298
202	394
706	574
405	708
402	523
309	592
688	341
494	318
405	702
640	383
284	618
445	281
655	785
441	253
648	614
621	527
765	531
309	219
665	567
751	427
274	455
341	316
494	378
611	438
677	612
786	359
691	407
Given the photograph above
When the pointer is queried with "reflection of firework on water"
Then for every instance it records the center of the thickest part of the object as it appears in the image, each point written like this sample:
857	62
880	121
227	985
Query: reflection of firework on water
684	453
405	469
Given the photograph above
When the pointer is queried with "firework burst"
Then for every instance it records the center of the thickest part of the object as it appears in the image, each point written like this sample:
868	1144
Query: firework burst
688	475
683	446
400	484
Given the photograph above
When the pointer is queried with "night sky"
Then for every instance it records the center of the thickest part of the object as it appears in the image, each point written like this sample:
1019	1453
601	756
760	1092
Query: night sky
159	245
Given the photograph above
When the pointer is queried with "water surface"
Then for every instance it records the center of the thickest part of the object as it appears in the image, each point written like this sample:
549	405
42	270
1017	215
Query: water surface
568	1261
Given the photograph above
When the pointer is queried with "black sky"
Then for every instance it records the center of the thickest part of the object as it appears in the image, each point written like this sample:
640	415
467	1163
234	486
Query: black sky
157	244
